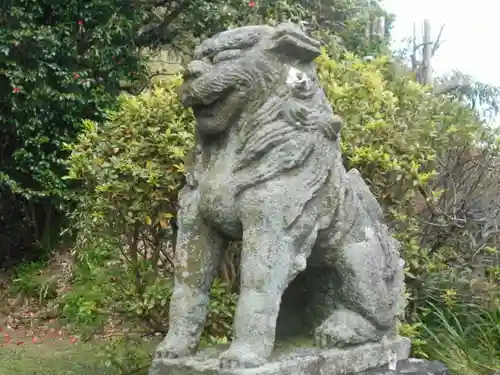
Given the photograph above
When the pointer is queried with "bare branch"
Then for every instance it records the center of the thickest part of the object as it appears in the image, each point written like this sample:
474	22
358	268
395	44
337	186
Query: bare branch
438	41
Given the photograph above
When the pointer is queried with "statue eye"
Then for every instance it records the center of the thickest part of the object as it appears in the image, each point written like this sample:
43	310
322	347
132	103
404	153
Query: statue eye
295	77
230	54
241	83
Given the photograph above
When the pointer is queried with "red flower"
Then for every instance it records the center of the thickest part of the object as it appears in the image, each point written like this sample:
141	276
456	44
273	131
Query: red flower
16	90
76	75
80	22
251	4
73	340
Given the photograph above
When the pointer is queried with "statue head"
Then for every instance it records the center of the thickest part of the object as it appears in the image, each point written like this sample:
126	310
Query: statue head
235	72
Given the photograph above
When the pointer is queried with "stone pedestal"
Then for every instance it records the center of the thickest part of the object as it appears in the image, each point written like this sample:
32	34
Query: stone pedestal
411	366
304	361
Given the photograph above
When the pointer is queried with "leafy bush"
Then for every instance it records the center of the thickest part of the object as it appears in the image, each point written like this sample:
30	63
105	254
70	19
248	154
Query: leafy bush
130	170
394	133
29	281
104	290
84	307
109	294
222	306
431	163
60	62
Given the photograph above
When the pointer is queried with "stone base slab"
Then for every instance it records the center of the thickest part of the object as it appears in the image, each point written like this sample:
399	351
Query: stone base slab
304	361
411	366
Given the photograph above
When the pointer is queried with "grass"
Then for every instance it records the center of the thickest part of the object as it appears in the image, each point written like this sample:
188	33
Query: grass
469	344
62	359
56	359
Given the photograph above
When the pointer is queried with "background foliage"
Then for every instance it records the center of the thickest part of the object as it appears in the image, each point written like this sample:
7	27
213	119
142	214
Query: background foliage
77	150
130	170
345	25
60	61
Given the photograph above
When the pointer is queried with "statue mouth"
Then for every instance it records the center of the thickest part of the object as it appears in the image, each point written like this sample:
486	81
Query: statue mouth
213	108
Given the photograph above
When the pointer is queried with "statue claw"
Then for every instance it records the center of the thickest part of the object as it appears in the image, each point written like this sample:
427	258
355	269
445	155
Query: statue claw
239	357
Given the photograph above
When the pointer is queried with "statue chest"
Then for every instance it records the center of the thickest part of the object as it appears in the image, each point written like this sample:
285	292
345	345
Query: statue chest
218	199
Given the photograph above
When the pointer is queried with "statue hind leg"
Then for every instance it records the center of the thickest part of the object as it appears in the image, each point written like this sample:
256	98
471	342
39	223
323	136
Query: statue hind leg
197	258
370	294
371	290
368	304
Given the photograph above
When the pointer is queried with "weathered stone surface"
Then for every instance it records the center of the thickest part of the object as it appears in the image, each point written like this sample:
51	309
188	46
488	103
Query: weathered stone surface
267	170
411	366
310	361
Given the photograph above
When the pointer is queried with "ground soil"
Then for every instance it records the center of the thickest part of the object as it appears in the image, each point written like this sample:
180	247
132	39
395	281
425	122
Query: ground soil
33	341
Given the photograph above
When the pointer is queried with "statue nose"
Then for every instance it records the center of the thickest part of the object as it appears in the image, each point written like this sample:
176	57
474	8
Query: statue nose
196	69
185	97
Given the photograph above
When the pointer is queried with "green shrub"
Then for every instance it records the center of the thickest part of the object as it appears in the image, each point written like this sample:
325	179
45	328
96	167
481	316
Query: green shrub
60	61
393	129
395	134
84	308
103	290
222	306
130	169
29	281
408	145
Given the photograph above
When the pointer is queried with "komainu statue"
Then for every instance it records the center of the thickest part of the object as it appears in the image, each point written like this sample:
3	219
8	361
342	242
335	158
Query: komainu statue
267	170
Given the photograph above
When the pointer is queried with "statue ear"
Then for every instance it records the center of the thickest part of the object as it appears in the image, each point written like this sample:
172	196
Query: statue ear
291	41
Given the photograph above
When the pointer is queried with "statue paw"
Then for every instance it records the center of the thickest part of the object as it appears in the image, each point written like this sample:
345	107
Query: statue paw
240	357
335	336
167	350
345	328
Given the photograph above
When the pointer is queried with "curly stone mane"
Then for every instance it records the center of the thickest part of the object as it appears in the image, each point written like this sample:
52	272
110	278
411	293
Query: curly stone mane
287	122
287	125
283	116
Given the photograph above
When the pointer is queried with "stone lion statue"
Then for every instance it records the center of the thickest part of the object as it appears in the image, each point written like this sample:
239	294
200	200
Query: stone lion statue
267	170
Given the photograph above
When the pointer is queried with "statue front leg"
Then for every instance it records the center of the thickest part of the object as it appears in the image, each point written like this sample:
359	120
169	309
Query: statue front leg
265	269
197	257
271	258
